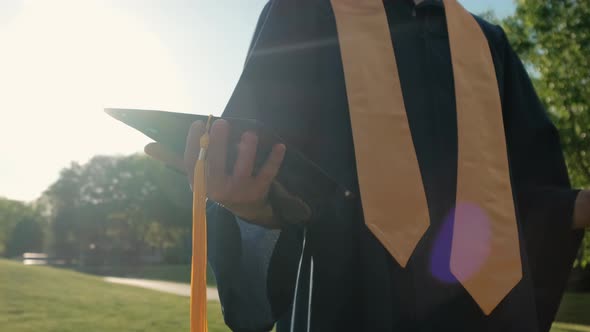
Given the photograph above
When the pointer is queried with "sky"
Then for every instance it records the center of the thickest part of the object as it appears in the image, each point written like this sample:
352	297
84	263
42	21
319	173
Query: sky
63	61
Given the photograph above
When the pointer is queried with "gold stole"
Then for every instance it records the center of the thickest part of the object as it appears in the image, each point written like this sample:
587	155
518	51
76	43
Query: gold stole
391	188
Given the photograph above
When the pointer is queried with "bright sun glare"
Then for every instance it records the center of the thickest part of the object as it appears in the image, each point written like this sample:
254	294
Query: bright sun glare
61	63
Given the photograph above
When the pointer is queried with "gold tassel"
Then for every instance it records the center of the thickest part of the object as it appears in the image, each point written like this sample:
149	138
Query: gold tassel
198	306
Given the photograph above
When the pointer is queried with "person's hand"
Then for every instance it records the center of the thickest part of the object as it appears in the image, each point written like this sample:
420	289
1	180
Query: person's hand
241	192
241	188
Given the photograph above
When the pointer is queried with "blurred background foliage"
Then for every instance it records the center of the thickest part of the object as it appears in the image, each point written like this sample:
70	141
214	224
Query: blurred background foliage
552	38
109	211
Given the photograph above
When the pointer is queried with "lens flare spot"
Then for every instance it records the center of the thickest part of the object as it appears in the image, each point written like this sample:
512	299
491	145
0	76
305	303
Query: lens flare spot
470	243
441	252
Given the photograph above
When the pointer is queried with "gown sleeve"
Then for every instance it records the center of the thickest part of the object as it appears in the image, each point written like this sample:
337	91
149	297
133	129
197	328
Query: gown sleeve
239	254
545	199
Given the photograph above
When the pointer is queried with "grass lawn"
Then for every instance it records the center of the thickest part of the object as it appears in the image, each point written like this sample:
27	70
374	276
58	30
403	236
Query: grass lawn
575	308
44	299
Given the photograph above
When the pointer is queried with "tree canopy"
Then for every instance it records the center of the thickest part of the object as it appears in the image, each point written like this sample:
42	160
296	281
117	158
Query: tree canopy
121	206
21	228
553	39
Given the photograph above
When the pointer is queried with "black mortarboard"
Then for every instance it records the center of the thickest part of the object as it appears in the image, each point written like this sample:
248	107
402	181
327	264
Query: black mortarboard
298	175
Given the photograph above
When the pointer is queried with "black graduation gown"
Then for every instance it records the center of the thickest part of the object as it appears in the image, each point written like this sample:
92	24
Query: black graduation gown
344	279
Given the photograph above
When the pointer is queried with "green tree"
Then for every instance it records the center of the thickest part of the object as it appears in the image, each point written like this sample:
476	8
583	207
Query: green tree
27	236
553	39
118	208
21	228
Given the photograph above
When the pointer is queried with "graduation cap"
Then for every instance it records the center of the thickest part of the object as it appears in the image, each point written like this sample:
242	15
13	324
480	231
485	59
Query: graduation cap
300	176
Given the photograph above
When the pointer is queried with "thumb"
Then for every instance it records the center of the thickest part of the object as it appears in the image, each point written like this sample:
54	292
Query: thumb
165	155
